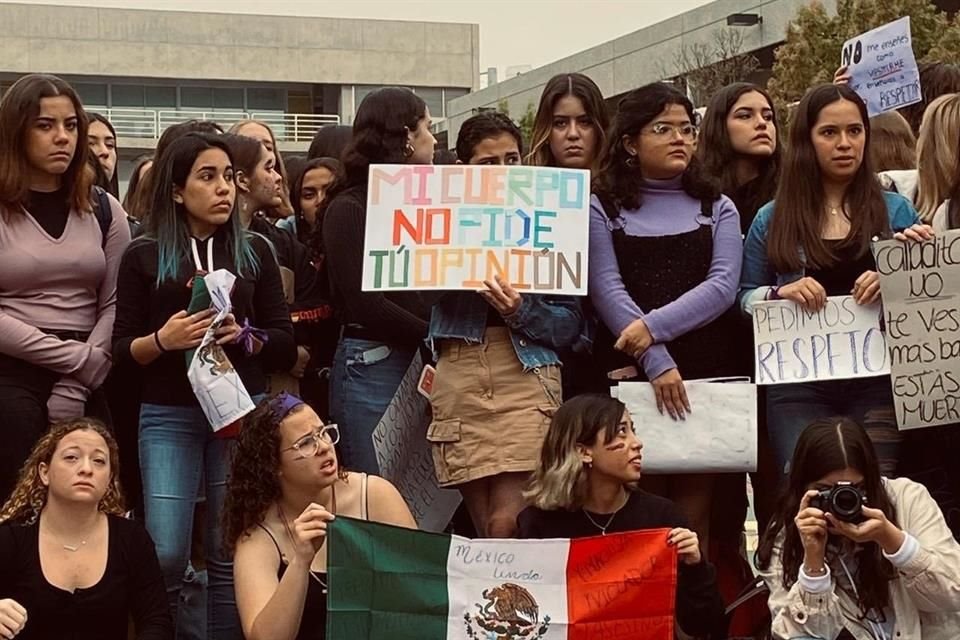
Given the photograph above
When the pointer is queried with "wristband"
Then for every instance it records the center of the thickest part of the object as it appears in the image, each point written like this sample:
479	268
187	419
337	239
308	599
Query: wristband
822	571
774	294
156	341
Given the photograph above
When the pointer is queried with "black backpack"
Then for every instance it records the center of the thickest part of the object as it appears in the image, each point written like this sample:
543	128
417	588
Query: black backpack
104	215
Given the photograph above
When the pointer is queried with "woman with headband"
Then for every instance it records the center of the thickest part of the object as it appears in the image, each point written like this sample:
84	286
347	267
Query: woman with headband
285	487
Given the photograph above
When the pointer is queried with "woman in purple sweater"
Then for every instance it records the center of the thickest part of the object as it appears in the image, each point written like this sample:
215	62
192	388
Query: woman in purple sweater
58	268
665	255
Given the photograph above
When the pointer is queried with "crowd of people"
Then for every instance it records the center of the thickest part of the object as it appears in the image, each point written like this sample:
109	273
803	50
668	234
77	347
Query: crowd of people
693	222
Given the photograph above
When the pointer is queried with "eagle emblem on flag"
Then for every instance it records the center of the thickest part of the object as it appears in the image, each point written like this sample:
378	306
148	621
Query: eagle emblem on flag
508	612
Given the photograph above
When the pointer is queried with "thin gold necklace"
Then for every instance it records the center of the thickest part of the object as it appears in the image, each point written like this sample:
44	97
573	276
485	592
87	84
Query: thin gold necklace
834	210
603	528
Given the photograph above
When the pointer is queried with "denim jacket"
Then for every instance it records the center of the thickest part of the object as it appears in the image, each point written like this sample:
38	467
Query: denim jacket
539	328
758	277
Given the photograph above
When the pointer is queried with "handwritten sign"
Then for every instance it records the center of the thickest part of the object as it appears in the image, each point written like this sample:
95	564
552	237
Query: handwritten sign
882	67
842	340
404	457
921	298
719	434
451	227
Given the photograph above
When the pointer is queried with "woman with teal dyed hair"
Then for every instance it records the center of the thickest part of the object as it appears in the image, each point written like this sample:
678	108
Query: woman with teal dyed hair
194	228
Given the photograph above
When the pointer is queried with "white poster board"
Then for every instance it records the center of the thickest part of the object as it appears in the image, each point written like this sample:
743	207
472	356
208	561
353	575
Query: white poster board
404	455
920	283
882	67
719	434
450	227
843	340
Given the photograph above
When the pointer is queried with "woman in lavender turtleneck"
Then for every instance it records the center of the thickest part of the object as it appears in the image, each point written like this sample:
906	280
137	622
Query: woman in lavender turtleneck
665	256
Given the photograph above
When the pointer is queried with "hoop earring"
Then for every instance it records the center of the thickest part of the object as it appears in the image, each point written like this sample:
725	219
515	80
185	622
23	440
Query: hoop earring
632	161
408	150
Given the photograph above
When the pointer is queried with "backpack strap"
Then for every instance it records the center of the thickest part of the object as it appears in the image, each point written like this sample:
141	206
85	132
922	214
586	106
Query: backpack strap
104	213
609	207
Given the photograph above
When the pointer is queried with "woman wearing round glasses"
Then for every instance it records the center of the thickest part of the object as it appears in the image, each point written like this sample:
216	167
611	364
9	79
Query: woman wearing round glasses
665	255
285	486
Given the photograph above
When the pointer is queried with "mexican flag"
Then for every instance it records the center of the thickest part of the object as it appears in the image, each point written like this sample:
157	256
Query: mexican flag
399	584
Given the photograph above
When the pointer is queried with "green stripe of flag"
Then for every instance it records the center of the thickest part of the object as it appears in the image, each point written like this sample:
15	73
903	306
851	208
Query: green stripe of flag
385	582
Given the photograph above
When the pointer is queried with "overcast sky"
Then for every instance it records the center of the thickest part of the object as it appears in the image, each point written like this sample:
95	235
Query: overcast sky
512	32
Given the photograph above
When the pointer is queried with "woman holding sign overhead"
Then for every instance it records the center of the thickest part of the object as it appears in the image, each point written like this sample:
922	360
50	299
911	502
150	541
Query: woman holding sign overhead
498	373
812	242
381	331
665	252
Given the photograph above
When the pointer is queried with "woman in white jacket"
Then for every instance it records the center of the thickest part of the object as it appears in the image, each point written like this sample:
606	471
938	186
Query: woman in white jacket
890	573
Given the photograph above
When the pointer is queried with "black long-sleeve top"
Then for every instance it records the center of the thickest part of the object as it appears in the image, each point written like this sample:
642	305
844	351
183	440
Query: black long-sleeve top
131	587
700	610
399	318
143	307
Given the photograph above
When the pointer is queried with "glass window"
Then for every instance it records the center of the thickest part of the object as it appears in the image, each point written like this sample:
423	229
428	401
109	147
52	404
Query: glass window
196	97
126	95
451	94
228	99
94	95
433	96
261	99
161	96
362	91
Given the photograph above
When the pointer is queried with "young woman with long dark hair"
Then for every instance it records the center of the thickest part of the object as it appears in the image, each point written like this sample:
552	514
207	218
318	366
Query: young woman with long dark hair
102	138
665	253
381	331
58	269
852	554
570	125
813	241
586	484
285	486
739	145
71	565
262	132
498	372
194	227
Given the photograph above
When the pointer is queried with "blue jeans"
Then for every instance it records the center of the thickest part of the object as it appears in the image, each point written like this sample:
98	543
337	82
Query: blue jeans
178	451
366	375
869	401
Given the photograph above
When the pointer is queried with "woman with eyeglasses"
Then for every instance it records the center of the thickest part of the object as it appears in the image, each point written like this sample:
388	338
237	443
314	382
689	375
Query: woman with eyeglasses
285	486
665	254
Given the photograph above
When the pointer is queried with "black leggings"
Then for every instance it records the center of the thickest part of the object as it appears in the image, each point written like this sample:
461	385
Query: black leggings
24	390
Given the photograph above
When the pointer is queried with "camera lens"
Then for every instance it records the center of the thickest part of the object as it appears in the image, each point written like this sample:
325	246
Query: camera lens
846	502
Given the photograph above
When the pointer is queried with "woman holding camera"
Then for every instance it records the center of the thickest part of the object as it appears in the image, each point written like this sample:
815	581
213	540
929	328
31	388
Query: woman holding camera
854	555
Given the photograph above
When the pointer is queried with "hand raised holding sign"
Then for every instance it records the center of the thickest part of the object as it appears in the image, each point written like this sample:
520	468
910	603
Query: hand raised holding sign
915	233
501	296
842	75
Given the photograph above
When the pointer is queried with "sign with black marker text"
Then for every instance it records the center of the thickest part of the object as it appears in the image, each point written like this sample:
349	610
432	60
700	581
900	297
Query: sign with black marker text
920	283
882	67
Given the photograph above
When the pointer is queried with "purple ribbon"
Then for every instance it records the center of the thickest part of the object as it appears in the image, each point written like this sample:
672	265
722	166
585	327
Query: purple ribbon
248	334
283	403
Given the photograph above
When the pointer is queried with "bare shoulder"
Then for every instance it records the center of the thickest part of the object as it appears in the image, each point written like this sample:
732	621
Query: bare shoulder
386	503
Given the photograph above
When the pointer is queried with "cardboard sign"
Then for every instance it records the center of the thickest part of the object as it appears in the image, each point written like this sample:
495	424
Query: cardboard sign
719	434
404	456
920	283
842	340
882	67
451	227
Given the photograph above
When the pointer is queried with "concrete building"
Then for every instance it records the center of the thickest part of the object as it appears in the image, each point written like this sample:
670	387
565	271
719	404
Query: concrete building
146	70
641	57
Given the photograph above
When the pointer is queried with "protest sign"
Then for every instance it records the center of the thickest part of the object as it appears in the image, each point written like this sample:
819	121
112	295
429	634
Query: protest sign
392	583
920	283
883	70
842	340
404	456
718	436
451	227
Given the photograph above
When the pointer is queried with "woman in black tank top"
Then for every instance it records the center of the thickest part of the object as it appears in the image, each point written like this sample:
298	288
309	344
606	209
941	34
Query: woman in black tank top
285	487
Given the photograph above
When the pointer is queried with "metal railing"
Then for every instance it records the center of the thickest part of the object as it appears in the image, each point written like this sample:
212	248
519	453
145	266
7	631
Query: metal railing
151	123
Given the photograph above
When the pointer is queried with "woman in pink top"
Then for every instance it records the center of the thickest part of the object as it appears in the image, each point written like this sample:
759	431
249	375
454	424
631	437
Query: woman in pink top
58	269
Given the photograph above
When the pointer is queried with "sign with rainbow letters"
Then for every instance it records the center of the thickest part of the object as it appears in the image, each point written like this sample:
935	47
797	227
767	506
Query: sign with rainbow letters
451	227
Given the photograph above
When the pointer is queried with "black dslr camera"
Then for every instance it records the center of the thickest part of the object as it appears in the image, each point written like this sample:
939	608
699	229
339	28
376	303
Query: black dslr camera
843	500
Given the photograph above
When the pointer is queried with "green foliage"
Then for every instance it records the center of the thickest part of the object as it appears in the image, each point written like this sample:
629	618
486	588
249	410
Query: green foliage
811	53
525	122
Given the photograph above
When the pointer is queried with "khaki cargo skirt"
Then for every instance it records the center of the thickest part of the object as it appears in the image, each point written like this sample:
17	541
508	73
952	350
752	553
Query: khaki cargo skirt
489	416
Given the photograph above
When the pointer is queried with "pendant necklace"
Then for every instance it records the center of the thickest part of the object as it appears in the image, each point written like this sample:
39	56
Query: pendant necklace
603	527
835	210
